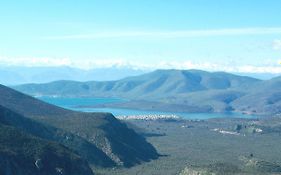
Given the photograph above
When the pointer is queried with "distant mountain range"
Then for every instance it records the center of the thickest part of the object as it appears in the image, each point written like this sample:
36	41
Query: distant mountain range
176	90
39	138
14	75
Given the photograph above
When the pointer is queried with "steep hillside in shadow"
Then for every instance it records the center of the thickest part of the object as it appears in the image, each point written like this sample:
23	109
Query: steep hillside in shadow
87	150
119	143
24	154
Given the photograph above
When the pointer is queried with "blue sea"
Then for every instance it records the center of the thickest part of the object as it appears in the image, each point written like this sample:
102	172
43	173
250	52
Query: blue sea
78	103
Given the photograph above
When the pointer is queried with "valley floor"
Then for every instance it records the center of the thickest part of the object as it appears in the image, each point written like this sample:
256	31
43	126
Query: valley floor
220	146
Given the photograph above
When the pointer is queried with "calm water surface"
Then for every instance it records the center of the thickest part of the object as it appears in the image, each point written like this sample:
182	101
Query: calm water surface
72	103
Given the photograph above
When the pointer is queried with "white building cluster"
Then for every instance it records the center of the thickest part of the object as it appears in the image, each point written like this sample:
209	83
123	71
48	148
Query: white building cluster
148	117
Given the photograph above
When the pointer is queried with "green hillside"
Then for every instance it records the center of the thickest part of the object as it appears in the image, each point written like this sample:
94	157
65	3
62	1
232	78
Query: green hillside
89	151
108	141
156	84
263	98
24	154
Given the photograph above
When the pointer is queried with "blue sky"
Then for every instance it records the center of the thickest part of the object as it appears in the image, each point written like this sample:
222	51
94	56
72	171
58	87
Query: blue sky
240	35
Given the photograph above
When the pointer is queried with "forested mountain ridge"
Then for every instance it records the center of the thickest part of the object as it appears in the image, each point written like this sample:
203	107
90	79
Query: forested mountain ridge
176	90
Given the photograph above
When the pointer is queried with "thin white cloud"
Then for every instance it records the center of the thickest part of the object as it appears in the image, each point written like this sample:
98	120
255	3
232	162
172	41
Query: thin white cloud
277	44
273	69
169	34
78	63
121	63
34	61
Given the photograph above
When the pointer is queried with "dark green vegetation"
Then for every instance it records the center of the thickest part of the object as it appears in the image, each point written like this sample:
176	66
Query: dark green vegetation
82	146
24	154
99	138
176	90
200	147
